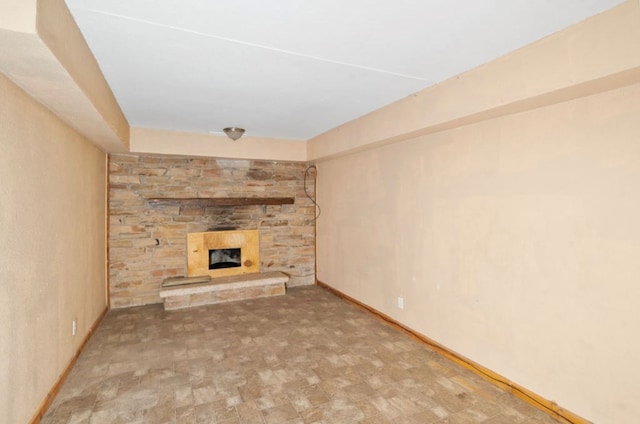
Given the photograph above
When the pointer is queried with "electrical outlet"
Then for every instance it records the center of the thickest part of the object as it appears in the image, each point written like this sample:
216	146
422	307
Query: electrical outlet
400	302
74	327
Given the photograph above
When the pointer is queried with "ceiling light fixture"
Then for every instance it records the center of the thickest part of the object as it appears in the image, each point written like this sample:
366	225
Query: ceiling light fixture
234	133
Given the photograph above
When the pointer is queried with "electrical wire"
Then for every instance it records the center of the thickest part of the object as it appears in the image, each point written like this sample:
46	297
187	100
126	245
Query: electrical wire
306	174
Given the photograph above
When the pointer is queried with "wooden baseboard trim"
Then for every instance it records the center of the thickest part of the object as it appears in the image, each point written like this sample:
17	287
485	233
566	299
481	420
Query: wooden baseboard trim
46	402
537	401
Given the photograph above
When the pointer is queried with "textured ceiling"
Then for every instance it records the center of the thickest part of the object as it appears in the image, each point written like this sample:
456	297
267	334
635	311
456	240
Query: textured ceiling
294	69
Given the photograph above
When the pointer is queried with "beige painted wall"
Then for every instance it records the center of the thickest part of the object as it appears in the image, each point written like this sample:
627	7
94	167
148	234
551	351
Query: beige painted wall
147	140
17	15
503	206
43	51
514	242
52	248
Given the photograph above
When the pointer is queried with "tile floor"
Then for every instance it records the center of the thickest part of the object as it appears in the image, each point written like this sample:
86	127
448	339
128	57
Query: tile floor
306	357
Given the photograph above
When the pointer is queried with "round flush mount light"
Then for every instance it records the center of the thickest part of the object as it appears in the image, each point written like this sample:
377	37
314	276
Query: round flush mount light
234	133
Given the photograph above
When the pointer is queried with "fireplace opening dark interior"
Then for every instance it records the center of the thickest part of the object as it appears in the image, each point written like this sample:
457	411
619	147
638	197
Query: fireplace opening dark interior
224	258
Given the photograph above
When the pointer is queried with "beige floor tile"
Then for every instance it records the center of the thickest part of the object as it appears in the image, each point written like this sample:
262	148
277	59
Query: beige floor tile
306	357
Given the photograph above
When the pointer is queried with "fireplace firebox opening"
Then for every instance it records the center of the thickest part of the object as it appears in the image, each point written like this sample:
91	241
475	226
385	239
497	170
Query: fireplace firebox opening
223	253
224	258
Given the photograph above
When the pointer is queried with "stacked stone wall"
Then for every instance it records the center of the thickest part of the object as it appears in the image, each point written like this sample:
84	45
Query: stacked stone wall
147	244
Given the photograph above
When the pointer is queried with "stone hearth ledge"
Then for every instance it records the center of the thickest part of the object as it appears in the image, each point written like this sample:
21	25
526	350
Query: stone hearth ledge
225	289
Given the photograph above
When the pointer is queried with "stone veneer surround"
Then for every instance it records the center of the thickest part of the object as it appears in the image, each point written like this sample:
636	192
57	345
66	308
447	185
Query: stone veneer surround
147	244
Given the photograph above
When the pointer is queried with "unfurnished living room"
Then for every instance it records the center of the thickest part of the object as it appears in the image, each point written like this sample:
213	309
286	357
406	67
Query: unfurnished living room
300	212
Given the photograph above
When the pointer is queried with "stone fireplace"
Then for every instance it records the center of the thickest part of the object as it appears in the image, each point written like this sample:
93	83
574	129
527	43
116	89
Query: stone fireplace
148	241
231	259
223	253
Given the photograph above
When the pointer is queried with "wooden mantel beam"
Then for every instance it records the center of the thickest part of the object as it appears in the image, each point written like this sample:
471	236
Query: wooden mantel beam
219	201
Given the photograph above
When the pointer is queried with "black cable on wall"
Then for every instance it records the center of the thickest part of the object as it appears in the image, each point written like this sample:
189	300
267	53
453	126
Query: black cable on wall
306	175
